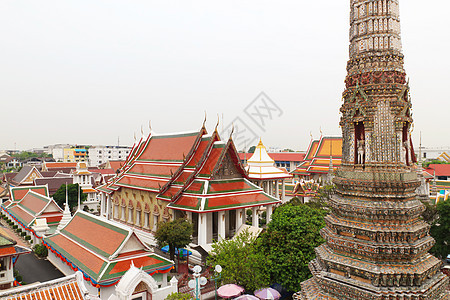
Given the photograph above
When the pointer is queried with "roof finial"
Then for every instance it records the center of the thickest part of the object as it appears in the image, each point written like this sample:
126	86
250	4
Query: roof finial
135	137
217	124
204	121
232	131
320	129
150	125
142	131
310	134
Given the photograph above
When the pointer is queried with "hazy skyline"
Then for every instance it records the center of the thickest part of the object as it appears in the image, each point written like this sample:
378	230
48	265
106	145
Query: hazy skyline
90	72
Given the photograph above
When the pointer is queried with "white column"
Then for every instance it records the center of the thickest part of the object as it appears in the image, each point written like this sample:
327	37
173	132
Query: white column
202	229
239	218
221	225
283	190
277	190
269	209
255	221
189	215
108	206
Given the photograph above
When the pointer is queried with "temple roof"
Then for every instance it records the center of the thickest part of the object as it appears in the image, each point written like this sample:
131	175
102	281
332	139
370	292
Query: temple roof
317	159
17	193
103	249
261	166
34	205
26	175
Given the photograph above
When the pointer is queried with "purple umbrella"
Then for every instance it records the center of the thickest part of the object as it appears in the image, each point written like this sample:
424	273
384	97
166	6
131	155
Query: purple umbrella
267	293
229	290
246	297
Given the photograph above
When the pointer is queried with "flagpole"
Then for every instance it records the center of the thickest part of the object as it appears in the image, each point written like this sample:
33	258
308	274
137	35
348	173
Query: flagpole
67	196
79	203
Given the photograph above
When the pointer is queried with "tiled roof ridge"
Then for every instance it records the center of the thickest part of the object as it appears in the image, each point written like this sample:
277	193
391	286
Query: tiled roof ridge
186	160
105	259
130	231
229	145
191	177
198	166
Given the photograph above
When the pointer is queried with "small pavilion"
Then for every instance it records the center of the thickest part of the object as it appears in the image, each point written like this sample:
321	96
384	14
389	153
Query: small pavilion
261	170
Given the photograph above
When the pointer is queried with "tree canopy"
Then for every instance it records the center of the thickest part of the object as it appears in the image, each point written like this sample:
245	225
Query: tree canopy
440	230
289	242
72	190
241	262
176	234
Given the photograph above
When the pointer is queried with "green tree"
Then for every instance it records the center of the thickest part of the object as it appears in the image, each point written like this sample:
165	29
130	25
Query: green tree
289	242
179	296
176	234
440	230
72	190
241	262
427	163
252	149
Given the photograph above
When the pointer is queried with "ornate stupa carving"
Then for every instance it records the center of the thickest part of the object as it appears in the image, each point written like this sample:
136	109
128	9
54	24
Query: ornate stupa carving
376	242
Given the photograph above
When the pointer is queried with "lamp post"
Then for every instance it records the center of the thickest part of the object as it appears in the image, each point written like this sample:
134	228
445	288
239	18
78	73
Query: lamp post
197	281
217	276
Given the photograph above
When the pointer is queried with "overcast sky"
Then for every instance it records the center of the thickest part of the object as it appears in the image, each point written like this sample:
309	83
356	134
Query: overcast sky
88	72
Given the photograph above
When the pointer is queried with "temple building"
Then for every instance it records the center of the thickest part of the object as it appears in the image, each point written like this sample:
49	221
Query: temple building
193	175
261	170
376	242
103	251
34	212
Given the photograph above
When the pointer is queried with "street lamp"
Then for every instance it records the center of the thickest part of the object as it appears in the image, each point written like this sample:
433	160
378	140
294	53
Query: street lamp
197	281
216	277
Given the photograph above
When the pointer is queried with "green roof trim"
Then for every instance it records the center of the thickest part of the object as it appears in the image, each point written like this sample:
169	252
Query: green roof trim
146	174
137	186
169	136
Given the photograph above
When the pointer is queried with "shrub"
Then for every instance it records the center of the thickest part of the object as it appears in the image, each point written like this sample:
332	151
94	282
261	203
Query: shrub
15	226
28	238
19	278
40	250
179	296
23	234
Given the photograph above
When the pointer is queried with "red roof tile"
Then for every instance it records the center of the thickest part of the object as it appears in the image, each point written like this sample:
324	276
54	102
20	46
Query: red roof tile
75	252
58	165
34	203
123	266
441	169
94	234
19	192
169	147
7	251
